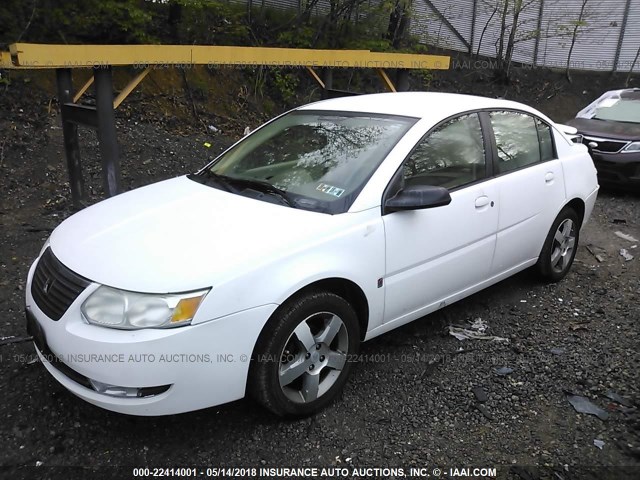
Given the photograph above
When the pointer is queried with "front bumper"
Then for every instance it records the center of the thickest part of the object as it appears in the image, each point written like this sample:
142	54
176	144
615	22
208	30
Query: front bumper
175	370
617	169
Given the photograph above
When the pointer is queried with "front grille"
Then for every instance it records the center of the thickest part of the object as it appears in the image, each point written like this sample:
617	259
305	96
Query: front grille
605	145
54	286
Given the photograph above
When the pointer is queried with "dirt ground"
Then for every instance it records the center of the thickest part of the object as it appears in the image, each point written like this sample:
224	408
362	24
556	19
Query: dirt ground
412	405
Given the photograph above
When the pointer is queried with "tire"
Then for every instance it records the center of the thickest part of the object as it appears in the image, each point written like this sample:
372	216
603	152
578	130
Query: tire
301	360
560	246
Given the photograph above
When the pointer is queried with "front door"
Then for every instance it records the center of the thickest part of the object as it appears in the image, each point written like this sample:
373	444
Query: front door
437	253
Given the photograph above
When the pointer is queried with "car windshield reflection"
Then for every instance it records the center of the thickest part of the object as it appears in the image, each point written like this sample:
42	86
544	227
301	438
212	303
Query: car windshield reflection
313	160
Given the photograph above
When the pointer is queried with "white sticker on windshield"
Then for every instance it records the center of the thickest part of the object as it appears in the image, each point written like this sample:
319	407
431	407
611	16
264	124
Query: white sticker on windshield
330	189
608	102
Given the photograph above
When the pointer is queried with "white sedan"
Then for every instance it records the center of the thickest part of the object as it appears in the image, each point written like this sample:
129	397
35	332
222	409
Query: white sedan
328	226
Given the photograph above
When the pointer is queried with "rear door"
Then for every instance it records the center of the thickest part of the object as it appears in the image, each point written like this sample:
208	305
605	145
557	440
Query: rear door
434	254
530	184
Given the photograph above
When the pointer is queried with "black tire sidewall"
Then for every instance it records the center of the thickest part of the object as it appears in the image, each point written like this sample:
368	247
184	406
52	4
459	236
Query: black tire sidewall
545	269
264	383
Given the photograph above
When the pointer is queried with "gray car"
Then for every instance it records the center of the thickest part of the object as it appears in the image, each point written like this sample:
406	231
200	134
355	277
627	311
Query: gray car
610	127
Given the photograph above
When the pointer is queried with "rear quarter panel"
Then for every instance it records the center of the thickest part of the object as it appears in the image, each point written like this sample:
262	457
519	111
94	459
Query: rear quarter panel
580	176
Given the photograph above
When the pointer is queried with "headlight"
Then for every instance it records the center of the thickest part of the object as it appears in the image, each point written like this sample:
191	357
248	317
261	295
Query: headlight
633	147
110	307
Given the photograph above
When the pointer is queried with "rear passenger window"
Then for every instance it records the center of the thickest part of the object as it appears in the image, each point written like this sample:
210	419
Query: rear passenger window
516	140
547	152
450	156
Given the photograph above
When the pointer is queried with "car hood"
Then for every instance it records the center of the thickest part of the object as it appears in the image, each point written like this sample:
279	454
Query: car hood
607	129
179	235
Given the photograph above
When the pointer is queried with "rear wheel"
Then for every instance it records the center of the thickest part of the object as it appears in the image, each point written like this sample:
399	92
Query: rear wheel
300	362
560	246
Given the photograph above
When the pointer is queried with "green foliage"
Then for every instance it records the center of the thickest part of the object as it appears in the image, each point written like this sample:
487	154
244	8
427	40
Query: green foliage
426	77
355	24
100	21
209	22
68	21
352	24
286	83
301	37
373	44
123	21
419	48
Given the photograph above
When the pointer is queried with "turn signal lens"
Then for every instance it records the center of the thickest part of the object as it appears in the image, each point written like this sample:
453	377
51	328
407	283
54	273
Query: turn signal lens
186	309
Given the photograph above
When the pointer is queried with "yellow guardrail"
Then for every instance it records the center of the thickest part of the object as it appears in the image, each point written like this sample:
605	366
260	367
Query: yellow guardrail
30	55
5	60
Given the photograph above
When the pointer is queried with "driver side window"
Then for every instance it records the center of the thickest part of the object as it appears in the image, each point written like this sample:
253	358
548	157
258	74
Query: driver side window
450	156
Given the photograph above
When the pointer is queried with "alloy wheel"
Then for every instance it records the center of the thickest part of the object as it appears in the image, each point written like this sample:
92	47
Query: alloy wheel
313	357
564	242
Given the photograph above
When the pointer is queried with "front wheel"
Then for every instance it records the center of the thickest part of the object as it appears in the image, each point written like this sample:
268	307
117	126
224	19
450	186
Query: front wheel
560	246
301	360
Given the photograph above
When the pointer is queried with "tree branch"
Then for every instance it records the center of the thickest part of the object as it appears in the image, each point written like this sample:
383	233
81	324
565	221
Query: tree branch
33	12
633	65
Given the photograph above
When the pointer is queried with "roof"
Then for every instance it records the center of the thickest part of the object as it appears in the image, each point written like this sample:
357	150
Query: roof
429	105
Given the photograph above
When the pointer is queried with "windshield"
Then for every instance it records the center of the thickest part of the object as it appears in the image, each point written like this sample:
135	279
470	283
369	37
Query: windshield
617	105
314	160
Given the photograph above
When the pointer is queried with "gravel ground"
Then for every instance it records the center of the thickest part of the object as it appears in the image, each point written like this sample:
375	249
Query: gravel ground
411	402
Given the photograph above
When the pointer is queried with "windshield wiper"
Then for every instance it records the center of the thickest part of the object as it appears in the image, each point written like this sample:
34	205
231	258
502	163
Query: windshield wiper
262	187
234	185
209	177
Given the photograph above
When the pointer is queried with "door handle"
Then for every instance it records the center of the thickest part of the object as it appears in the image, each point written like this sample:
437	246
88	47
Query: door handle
482	201
549	177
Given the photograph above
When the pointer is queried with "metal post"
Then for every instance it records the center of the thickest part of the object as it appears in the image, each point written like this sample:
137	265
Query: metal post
402	80
107	131
327	78
70	135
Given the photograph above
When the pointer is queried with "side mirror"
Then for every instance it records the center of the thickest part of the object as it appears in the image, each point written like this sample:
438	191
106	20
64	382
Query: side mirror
418	197
577	138
571	132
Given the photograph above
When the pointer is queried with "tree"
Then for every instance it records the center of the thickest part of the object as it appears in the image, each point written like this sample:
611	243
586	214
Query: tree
576	28
503	29
70	21
337	24
511	33
175	18
633	65
486	25
399	23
